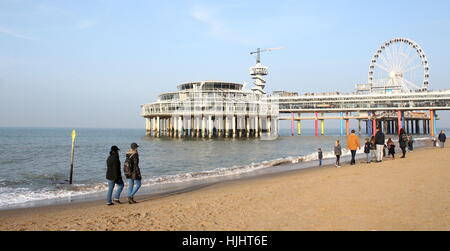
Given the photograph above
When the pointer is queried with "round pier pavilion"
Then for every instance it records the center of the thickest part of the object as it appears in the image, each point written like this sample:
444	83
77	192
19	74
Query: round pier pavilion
211	109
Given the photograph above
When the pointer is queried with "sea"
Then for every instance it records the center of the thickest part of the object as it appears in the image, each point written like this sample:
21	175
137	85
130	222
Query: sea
35	162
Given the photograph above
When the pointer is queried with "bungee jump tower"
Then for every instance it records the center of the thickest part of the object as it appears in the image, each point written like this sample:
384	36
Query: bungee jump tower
214	109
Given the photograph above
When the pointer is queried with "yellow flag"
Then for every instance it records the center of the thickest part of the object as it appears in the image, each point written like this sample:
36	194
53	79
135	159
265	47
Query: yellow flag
74	135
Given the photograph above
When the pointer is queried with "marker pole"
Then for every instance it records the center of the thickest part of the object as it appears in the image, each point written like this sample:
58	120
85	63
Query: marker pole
74	135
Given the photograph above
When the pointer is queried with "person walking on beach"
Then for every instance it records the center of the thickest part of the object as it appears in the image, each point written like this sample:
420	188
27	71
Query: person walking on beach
373	148
391	147
410	143
367	148
379	141
132	172
403	141
320	153
353	145
338	153
114	176
442	138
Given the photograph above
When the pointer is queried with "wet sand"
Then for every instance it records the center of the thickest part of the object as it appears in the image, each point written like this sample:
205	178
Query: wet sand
401	194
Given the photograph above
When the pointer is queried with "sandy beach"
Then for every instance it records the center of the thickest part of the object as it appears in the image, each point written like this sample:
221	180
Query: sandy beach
401	194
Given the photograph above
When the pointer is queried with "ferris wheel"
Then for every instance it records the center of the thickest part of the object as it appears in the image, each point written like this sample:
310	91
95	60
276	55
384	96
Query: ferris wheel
399	65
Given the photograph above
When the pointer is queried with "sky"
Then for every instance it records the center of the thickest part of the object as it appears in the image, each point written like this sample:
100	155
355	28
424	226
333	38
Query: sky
92	63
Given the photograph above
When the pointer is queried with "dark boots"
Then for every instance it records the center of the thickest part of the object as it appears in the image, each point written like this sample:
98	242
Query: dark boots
131	200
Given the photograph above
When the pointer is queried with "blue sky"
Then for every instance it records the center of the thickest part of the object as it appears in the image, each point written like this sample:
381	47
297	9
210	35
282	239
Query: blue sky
92	63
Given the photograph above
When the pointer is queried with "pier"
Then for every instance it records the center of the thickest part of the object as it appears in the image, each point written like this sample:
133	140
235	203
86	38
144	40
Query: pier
389	101
415	111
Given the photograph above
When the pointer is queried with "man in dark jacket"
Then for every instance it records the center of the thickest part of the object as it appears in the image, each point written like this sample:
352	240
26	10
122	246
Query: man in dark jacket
442	138
403	141
379	141
114	176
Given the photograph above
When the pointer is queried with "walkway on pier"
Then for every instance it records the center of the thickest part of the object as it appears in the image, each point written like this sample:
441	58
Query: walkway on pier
390	112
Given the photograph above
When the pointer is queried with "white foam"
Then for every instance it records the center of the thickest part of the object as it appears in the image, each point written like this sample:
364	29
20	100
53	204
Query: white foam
16	196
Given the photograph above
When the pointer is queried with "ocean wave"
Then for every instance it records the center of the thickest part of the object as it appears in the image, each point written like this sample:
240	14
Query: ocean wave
10	197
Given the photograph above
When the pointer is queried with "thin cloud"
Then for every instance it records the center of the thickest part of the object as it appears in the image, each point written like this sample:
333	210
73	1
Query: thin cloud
202	14
207	16
15	34
85	24
216	27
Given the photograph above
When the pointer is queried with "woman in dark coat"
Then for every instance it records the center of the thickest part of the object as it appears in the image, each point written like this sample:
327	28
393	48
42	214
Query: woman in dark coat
403	141
114	176
338	153
442	138
132	172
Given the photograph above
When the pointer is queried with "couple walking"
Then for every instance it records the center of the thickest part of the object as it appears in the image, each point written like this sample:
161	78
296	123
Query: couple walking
114	175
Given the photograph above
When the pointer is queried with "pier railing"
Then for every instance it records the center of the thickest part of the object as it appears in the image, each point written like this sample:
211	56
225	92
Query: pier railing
432	100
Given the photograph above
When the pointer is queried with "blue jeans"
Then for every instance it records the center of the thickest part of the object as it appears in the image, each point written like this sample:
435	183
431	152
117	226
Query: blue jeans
111	185
133	187
368	158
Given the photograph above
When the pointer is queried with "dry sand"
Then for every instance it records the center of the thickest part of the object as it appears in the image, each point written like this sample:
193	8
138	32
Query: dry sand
401	194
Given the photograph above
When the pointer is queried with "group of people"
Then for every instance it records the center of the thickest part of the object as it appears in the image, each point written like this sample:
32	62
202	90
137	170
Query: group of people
376	146
114	174
405	142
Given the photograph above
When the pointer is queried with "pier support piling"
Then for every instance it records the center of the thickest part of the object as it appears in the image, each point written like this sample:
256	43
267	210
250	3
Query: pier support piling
322	126
403	119
158	126
210	127
431	123
367	127
347	125
399	122
374	126
148	128
433	126
316	125
292	124
234	126
359	127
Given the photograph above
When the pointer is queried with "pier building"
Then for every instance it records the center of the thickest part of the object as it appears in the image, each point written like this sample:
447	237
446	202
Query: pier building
397	96
211	109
